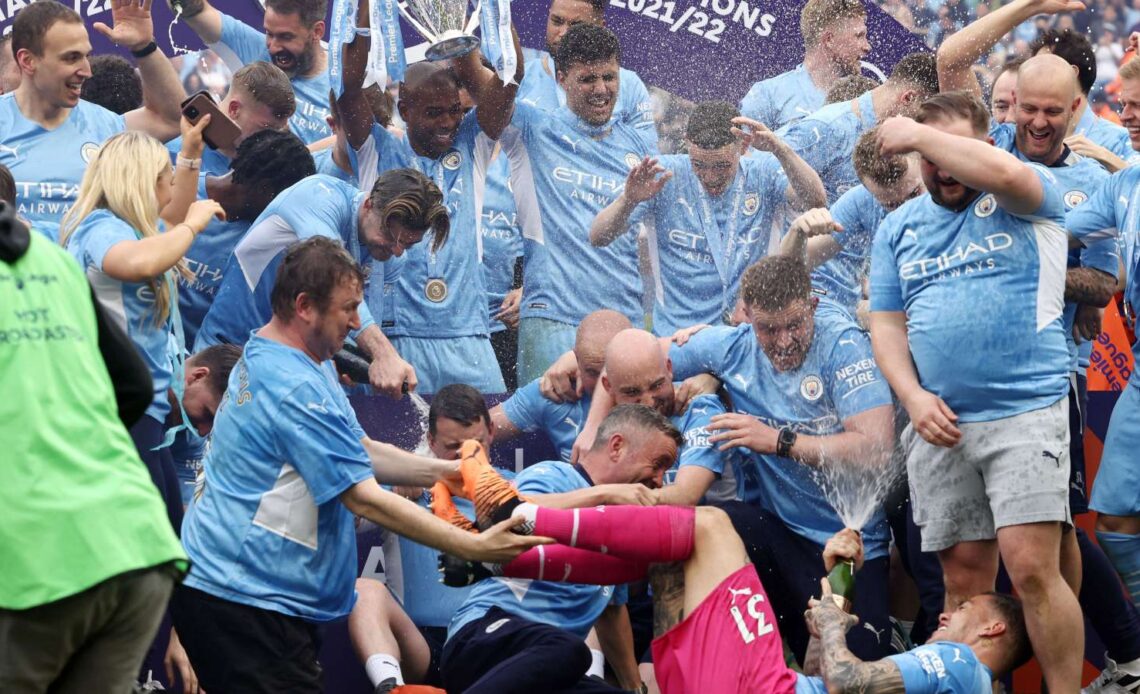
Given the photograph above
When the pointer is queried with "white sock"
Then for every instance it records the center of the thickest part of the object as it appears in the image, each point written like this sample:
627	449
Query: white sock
527	510
1132	667
381	666
597	664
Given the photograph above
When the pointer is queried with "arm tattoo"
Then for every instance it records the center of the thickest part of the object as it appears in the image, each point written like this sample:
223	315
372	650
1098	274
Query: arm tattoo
843	670
1087	285
668	581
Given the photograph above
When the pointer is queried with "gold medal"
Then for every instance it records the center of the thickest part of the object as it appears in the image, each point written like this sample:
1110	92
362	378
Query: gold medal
435	290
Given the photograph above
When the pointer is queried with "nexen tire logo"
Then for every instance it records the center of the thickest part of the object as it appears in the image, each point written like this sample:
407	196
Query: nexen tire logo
971	252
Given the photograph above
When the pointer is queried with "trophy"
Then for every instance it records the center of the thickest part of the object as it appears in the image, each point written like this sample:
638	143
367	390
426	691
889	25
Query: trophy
445	24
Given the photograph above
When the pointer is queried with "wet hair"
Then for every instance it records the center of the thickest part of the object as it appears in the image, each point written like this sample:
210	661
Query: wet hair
7	186
310	11
871	165
586	43
33	22
819	15
918	70
271	160
1129	70
623	418
220	360
1075	48
952	105
268	85
114	84
1013	616
411	198
710	125
1011	65
315	267
773	283
850	87
459	402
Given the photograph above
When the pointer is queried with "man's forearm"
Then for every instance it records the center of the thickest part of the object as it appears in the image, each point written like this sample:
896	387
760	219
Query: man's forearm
162	98
803	179
843	672
612	221
405	518
1086	285
396	467
851	447
965	47
373	341
978	164
891	349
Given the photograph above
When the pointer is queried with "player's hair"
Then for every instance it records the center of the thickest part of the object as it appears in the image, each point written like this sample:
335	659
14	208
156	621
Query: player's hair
917	70
310	11
640	418
1011	65
958	104
314	267
871	165
710	125
271	161
113	84
411	198
1013	616
1075	48
7	186
820	15
266	84
773	283
586	43
1129	70
220	360
850	87
33	22
459	402
120	178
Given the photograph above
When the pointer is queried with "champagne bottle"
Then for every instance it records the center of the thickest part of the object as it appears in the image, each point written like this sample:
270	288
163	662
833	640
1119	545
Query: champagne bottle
842	581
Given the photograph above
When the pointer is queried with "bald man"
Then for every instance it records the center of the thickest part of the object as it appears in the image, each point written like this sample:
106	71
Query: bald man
528	410
434	303
639	372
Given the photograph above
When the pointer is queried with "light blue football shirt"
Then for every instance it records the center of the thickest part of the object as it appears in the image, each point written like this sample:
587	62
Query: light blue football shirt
267	528
460	173
838	379
783	99
841	278
241	44
130	303
48	165
936	668
529	411
697	450
983	291
826	140
502	237
567	606
564	172
314	206
701	244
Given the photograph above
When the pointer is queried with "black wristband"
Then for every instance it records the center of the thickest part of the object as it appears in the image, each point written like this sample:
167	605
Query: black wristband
145	50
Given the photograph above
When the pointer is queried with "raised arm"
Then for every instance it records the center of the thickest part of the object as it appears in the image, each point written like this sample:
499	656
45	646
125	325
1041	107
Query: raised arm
397	467
963	48
805	186
494	101
974	163
841	670
809	238
202	17
187	167
644	181
353	112
133	28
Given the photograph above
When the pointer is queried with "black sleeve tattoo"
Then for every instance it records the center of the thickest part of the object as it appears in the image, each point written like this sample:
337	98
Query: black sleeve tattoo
1086	285
841	669
668	581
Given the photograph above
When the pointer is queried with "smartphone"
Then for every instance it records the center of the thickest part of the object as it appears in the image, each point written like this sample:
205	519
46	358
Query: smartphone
221	132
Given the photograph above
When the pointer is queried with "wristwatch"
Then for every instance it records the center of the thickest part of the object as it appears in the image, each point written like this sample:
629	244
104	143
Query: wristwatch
785	441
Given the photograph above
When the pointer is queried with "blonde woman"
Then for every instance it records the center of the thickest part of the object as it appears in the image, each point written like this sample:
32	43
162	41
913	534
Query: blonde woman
128	192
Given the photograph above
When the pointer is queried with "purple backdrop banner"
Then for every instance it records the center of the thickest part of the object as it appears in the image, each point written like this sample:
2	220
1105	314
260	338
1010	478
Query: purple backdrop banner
698	49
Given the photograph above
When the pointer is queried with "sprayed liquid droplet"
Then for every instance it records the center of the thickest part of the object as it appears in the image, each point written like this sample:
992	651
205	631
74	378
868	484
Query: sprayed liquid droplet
857	489
422	410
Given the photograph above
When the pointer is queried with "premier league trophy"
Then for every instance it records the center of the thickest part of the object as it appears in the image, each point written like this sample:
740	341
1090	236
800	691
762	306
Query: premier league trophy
445	24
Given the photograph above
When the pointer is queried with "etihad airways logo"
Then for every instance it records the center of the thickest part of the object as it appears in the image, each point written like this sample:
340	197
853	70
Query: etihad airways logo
975	255
590	180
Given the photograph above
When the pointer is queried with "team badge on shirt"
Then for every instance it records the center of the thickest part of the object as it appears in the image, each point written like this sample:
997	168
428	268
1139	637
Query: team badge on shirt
88	152
631	159
811	387
751	204
1074	198
452	160
986	206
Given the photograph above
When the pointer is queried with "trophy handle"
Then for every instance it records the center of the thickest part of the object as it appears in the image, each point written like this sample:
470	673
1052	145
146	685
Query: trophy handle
423	31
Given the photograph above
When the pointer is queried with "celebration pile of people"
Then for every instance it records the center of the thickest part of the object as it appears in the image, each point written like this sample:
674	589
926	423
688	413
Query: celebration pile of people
896	283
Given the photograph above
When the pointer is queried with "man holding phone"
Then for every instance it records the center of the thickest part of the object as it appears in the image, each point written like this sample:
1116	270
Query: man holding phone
48	132
260	98
291	42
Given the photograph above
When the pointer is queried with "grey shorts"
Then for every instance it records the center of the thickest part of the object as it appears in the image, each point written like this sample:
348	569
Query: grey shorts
1009	471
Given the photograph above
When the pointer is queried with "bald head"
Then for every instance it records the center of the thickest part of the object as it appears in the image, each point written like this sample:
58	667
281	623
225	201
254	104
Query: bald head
429	105
1045	102
638	371
594	334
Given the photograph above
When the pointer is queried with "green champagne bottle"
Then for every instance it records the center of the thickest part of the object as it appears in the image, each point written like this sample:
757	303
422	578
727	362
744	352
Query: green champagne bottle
842	580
